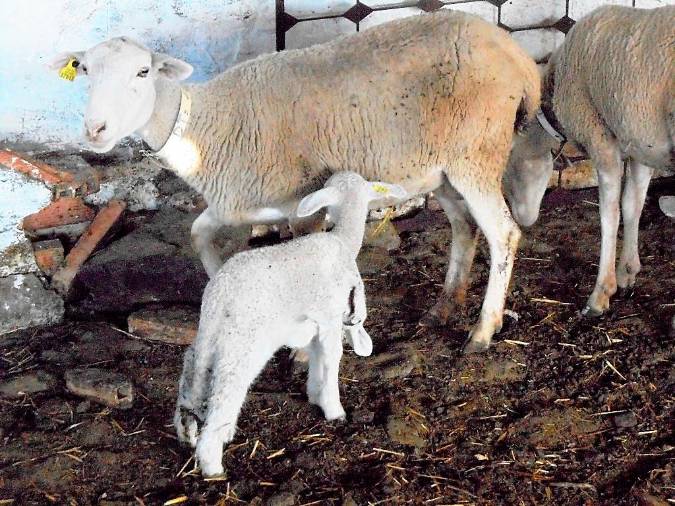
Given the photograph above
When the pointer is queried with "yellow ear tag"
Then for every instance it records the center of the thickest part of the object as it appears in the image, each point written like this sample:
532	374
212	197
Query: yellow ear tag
68	71
379	188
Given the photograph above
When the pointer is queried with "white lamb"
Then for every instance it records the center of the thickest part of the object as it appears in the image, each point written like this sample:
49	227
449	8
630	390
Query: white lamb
428	102
300	294
610	89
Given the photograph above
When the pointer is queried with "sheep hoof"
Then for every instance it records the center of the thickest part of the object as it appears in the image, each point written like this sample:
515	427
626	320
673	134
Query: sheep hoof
589	312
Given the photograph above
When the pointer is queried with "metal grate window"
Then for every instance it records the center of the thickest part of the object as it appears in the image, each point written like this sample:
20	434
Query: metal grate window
538	25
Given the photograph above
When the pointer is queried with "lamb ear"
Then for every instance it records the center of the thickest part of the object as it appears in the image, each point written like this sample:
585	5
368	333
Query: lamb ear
170	67
314	201
61	59
360	340
381	191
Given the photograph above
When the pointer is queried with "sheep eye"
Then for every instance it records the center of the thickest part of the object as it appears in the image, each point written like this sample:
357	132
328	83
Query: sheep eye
84	69
143	72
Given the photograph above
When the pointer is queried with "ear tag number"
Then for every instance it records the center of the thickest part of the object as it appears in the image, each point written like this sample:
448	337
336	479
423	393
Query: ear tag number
69	71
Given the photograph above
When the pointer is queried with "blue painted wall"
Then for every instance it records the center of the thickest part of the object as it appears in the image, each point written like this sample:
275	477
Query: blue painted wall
36	105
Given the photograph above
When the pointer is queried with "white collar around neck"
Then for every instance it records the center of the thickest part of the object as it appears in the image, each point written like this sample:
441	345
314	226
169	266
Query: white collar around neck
546	125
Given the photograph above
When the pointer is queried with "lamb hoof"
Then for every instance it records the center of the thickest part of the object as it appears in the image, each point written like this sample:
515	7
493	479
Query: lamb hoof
471	346
589	312
213	471
334	414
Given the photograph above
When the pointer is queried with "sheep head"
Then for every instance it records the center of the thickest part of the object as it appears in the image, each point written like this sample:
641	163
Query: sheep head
123	75
528	172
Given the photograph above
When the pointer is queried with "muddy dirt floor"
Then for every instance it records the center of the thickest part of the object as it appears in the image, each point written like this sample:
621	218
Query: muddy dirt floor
561	410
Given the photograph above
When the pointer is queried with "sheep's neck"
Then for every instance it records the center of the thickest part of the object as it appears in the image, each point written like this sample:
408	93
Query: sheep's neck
350	225
547	92
167	104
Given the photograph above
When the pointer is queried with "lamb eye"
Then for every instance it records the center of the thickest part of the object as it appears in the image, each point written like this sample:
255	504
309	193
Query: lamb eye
84	69
143	72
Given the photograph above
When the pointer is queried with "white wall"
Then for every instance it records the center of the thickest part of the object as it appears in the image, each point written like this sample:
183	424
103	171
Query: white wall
35	105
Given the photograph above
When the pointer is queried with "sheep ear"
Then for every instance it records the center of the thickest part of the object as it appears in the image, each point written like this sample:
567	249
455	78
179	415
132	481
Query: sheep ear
360	340
170	67
319	199
381	191
62	59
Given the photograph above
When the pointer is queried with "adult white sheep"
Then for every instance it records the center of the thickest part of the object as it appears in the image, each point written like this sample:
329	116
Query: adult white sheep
429	102
609	88
298	294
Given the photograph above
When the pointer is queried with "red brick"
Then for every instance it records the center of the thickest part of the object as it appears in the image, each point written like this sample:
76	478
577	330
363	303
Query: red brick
64	211
84	247
36	170
48	255
173	325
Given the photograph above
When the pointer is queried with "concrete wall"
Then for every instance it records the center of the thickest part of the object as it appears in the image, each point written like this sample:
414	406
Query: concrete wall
35	105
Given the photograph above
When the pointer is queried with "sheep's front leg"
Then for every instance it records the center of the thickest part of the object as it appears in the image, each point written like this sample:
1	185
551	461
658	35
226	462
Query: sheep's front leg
203	234
325	352
608	166
632	202
494	218
462	252
308	225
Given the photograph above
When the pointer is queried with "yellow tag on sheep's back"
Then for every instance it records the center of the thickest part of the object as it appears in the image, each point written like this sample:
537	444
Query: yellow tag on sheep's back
68	71
380	188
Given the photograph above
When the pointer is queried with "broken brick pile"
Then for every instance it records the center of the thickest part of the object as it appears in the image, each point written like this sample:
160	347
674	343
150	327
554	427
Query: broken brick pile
63	235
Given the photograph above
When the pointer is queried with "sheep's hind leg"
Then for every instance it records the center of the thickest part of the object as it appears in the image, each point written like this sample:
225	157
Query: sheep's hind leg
494	218
325	352
608	166
632	202
462	251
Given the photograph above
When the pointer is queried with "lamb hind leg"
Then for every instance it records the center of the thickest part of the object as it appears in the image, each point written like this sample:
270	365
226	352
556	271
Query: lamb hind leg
632	202
462	251
190	401
239	361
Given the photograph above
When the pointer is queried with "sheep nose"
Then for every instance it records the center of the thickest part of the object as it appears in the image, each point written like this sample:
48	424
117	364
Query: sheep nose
94	129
